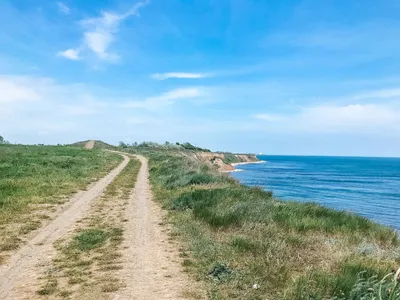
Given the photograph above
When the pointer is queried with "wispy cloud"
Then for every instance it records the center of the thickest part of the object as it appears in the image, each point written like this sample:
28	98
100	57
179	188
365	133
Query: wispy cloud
360	118
72	54
182	75
165	99
99	33
35	104
268	117
63	8
379	94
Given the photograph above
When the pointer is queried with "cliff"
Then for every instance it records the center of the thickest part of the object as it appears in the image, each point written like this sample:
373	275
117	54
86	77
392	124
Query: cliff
223	161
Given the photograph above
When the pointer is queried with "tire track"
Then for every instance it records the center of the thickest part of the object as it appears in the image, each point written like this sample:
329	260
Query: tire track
19	275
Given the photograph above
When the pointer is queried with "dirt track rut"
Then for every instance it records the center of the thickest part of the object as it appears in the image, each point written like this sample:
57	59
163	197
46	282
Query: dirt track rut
152	269
17	278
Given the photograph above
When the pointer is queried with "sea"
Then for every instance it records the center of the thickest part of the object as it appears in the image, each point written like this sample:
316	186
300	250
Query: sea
367	186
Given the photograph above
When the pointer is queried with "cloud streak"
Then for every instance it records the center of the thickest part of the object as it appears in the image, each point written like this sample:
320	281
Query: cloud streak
165	99
99	33
180	75
63	8
356	118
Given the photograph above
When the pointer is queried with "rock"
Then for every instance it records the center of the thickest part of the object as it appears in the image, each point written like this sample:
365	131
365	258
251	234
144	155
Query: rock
256	286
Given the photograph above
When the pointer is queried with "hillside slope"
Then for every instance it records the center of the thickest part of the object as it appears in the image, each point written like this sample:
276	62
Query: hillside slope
96	144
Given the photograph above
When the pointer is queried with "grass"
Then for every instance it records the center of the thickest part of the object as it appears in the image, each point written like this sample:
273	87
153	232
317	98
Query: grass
89	239
38	178
291	250
87	261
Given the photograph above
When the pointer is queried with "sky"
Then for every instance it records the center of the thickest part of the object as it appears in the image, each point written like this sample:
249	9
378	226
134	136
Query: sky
304	77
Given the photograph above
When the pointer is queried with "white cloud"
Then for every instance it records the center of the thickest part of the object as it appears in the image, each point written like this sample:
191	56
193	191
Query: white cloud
165	99
99	33
384	93
15	90
268	117
143	120
72	54
163	76
63	8
99	42
356	118
33	105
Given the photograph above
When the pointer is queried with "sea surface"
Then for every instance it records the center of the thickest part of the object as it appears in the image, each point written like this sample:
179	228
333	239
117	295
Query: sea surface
369	186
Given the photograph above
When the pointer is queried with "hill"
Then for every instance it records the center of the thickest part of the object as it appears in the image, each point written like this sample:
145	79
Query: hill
93	144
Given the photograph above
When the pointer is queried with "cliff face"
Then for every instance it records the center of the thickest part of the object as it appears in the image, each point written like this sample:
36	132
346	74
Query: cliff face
224	161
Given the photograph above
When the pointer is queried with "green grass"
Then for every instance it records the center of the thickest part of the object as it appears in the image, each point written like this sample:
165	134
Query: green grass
39	177
41	174
230	158
89	239
291	250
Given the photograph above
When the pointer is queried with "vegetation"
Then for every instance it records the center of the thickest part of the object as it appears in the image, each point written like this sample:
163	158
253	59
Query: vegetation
251	246
3	141
35	179
86	262
97	145
388	288
166	146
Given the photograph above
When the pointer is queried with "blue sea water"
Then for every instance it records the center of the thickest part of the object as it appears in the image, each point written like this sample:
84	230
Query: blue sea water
369	186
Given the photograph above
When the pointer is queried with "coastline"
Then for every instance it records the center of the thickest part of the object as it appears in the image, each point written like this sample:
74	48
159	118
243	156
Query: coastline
234	165
292	228
248	162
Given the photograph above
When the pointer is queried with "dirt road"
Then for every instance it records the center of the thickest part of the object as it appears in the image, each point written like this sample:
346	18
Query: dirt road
18	277
151	264
152	269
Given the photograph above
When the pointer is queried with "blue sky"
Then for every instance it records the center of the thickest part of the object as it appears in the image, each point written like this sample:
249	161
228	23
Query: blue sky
280	77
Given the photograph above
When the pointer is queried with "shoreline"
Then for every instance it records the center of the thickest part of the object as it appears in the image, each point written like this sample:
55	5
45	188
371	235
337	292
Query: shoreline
234	165
248	162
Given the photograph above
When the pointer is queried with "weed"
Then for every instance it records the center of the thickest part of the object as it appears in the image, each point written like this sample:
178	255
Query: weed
89	239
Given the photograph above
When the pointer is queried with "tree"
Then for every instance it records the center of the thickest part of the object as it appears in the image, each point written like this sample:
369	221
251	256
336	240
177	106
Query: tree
123	145
3	141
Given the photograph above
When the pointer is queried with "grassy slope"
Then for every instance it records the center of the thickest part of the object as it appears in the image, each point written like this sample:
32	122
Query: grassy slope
97	145
42	176
241	236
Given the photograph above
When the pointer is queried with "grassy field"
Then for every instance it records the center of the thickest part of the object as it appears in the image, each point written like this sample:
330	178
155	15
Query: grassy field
87	260
35	179
247	245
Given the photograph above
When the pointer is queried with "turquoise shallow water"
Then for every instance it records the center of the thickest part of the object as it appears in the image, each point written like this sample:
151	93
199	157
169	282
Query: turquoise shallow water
367	186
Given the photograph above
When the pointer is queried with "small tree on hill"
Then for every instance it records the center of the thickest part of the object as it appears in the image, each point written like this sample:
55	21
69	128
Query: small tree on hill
123	145
3	141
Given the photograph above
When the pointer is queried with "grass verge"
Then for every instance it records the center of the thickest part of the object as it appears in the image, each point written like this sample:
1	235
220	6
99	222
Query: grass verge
247	245
86	261
35	179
